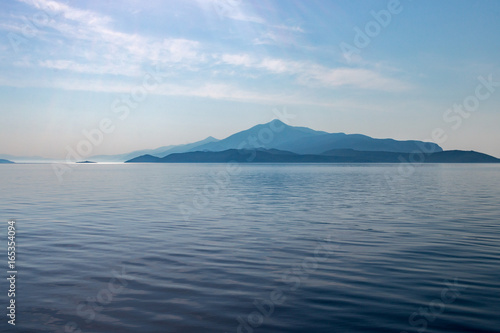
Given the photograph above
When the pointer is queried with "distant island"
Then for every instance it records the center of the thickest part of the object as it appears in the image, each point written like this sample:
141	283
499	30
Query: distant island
280	136
277	142
2	161
331	156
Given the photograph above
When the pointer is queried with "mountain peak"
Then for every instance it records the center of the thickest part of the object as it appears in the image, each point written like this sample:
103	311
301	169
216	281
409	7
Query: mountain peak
278	122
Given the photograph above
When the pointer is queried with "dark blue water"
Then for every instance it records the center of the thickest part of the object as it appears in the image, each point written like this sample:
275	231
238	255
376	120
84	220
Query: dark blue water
265	248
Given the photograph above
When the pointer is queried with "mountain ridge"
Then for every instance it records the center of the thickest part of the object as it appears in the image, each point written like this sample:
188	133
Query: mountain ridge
23	159
333	156
281	137
278	135
160	151
301	140
280	132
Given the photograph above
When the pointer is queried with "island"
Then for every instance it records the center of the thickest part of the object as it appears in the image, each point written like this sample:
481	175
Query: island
332	156
86	162
6	162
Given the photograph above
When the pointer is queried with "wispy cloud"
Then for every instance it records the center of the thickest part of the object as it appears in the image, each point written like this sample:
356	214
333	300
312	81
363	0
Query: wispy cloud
238	10
350	77
98	48
231	9
89	29
237	60
314	75
78	67
215	90
295	28
86	17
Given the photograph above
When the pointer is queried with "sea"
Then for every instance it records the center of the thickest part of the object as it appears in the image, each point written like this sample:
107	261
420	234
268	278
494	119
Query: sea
251	248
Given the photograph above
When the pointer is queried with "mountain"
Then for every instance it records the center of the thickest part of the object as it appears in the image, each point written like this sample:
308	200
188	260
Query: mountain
186	147
450	156
280	136
333	156
233	155
161	151
267	136
459	156
145	159
126	156
321	143
303	140
2	161
25	159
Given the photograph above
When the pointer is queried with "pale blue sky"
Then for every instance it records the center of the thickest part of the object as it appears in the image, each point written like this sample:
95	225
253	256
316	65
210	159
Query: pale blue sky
224	65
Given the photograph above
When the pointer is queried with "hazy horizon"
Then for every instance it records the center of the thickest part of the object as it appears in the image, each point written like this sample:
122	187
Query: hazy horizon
169	73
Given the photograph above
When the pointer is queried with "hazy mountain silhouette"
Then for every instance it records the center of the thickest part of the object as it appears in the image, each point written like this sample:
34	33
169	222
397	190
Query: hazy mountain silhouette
161	151
320	143
303	140
268	136
272	140
2	161
262	155
279	142
278	135
186	147
24	159
460	156
450	156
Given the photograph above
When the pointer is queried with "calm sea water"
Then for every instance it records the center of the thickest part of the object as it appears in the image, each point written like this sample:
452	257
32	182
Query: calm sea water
269	248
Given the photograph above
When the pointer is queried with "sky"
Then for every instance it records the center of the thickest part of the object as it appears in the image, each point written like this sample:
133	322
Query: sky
128	75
